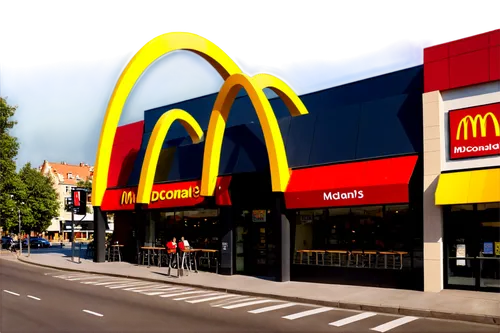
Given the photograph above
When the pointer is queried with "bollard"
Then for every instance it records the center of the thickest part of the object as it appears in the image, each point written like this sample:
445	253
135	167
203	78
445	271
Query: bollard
80	253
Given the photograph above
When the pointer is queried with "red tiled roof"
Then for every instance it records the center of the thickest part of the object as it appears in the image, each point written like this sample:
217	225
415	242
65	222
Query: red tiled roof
66	173
464	36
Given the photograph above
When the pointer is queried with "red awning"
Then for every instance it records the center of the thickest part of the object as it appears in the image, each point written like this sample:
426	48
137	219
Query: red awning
374	182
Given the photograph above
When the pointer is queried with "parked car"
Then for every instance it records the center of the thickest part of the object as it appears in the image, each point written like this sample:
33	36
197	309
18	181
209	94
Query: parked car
39	243
7	242
35	243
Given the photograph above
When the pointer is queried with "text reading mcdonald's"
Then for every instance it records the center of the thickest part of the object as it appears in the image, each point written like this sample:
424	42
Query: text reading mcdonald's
475	132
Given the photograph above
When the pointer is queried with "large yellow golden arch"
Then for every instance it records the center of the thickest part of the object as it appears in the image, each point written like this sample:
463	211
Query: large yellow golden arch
150	52
254	86
155	143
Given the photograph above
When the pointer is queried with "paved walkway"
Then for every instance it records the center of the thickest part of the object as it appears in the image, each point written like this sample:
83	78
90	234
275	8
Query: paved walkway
449	304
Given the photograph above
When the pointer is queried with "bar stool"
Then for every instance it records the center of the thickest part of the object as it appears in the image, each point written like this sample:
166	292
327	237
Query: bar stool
116	252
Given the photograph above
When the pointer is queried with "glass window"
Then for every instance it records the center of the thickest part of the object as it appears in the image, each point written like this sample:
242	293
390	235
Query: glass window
200	227
356	230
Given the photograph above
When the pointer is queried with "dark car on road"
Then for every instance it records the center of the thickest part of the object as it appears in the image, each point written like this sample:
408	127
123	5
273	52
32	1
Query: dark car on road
35	243
7	242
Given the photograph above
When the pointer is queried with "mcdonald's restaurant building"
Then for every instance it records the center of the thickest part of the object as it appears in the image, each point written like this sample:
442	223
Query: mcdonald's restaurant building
461	115
352	210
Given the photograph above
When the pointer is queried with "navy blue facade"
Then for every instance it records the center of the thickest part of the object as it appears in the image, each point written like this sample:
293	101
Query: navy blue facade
368	119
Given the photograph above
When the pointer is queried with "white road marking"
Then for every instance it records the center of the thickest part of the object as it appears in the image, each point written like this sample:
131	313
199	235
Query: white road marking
163	291
143	287
307	313
35	298
393	324
11	292
240	305
93	313
209	299
88	277
196	296
181	292
273	307
126	285
352	319
69	276
186	292
239	299
111	282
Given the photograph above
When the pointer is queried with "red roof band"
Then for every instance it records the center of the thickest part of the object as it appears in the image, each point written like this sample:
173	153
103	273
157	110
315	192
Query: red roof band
375	182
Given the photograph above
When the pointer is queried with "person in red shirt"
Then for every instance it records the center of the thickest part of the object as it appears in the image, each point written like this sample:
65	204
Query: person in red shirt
181	246
172	245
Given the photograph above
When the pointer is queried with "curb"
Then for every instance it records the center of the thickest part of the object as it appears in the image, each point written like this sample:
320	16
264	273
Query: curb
463	317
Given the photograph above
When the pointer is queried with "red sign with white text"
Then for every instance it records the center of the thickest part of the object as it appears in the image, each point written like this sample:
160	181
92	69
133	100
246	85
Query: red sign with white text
345	197
375	182
164	196
475	131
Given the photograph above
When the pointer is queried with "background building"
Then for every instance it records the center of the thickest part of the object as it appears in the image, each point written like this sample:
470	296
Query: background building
65	177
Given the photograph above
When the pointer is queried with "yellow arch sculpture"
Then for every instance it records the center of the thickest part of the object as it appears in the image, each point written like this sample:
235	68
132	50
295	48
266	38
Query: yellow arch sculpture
150	52
254	86
155	143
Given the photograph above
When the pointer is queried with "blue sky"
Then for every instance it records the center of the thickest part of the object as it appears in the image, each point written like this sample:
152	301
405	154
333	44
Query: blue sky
61	106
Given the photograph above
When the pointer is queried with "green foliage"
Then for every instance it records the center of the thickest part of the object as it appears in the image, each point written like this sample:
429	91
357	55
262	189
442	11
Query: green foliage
41	200
11	187
87	184
28	191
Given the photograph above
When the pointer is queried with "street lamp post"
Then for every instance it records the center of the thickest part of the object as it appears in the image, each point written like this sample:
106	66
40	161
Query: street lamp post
20	240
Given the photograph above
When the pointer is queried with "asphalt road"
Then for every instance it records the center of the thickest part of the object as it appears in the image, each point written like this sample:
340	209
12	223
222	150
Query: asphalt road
35	299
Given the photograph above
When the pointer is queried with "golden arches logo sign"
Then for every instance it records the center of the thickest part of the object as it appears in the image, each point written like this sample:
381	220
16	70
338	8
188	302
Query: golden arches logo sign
475	131
464	128
234	80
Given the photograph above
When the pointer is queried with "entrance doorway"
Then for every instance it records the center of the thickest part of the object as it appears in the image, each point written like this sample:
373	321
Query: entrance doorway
472	246
255	250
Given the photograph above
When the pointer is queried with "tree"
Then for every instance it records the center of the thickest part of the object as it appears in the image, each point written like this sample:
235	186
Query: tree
40	200
87	184
11	187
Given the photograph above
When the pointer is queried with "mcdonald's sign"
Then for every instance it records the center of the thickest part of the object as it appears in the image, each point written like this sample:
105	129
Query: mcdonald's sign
234	80
168	195
474	132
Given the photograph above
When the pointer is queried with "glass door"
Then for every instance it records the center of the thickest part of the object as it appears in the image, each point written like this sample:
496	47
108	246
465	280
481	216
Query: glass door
472	246
460	246
489	246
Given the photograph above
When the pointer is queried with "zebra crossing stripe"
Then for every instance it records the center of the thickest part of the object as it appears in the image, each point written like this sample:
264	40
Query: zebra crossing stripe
272	308
209	299
393	324
352	319
188	297
240	305
307	313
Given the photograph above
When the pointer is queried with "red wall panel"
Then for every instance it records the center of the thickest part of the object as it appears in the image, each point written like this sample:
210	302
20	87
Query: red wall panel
126	145
469	44
495	63
469	68
470	61
495	38
436	75
435	53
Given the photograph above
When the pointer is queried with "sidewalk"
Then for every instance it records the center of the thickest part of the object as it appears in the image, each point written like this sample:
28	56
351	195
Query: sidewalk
449	304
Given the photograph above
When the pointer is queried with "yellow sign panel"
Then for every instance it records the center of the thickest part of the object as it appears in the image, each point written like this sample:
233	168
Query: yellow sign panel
463	125
497	248
234	81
